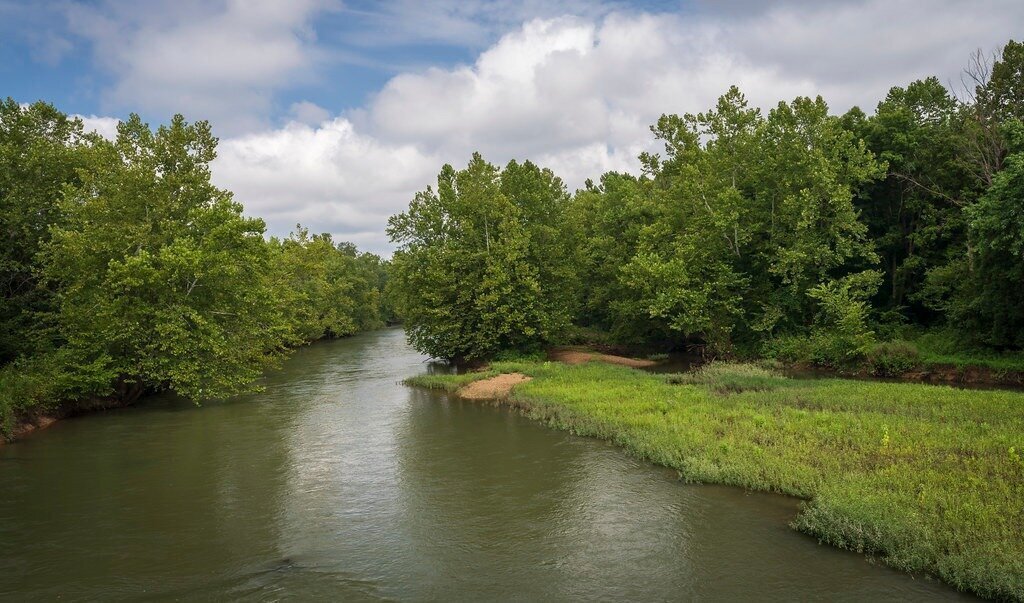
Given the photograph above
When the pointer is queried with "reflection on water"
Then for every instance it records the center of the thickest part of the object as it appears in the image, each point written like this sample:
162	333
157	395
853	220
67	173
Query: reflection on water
338	482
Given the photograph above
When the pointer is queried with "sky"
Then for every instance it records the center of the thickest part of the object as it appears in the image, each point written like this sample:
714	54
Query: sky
333	113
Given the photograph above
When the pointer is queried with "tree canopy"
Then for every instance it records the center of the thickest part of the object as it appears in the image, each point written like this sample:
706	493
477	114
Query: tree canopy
795	232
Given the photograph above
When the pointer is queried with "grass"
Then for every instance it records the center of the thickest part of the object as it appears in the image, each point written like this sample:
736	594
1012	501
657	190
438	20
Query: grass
450	383
926	478
938	348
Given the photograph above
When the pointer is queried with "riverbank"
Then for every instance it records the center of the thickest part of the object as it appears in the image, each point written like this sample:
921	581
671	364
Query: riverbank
925	478
39	418
31	398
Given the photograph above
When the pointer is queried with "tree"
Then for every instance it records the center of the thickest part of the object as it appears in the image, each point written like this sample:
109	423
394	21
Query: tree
40	151
477	268
747	224
161	281
914	214
687	272
988	300
326	289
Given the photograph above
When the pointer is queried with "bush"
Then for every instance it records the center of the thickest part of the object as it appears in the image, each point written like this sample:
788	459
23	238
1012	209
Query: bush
520	356
820	348
26	388
730	377
893	358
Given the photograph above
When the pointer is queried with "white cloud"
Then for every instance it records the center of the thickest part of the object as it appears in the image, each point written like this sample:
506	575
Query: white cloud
330	178
576	94
104	126
308	113
219	62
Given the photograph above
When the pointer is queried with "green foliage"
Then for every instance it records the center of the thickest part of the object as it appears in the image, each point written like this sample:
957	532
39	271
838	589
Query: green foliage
914	214
326	289
818	348
481	265
746	229
919	476
893	358
40	151
731	377
162	283
809	235
28	386
950	347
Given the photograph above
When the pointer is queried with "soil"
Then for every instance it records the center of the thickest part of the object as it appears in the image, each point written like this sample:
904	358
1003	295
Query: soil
493	388
577	356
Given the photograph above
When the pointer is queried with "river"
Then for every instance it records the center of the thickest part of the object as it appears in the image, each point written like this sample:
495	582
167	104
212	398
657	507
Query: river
340	483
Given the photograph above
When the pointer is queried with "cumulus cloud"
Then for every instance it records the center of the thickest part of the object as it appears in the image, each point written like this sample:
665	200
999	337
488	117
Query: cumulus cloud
308	113
104	126
328	177
221	62
574	93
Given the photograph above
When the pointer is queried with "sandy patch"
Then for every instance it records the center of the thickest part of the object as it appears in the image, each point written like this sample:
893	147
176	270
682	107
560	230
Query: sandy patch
495	387
579	357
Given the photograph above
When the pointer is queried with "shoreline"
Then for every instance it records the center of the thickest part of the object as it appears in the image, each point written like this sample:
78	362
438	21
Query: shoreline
35	422
899	495
26	426
968	376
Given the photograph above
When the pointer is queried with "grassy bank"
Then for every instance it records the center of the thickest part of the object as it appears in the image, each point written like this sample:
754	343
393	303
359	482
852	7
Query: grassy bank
927	478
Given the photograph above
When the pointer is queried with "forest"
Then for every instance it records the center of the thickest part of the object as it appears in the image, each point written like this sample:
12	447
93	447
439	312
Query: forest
798	234
886	240
125	271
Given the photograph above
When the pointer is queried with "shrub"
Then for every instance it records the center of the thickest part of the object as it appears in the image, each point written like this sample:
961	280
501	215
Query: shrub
893	358
730	377
820	348
26	388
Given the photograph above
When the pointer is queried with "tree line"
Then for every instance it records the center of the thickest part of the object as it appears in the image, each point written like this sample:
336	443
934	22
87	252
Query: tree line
124	270
794	233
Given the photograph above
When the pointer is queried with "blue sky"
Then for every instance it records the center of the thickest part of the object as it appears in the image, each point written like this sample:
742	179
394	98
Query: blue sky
333	113
47	53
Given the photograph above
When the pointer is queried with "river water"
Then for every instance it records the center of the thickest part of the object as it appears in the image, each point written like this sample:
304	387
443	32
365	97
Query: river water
340	483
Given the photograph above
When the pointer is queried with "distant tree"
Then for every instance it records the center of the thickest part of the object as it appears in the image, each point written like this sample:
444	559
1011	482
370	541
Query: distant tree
994	94
604	223
161	281
976	289
750	225
326	289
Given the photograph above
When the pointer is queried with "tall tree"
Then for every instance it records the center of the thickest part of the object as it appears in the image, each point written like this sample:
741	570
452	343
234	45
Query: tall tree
40	151
326	289
914	214
988	301
162	282
477	268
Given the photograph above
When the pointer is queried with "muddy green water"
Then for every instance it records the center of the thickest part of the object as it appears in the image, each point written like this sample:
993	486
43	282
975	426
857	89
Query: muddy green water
339	483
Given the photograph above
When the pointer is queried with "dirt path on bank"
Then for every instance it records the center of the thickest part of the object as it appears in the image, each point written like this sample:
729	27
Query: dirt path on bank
574	356
501	386
495	387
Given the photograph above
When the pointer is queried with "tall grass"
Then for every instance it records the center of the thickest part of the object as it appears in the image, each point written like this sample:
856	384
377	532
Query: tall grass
946	348
927	478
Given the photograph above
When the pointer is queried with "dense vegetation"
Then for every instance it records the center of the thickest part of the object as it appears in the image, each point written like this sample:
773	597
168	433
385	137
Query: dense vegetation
929	479
796	234
891	242
124	270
